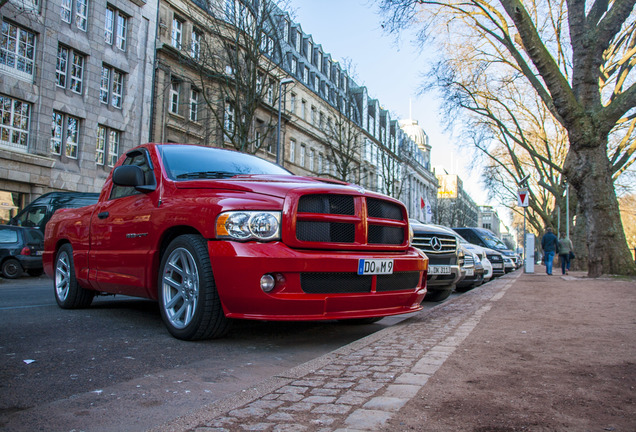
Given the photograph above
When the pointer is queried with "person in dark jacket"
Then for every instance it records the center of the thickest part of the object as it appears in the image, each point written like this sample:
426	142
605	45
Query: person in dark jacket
549	244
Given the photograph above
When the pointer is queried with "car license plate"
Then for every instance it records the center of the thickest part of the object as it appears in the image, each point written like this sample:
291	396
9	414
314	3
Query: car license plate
439	270
497	266
375	266
470	272
38	253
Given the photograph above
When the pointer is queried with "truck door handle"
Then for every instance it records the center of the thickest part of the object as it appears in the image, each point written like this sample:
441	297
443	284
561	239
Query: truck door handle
102	215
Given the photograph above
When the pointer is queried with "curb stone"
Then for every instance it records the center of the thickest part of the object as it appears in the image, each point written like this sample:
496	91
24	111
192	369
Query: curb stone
357	387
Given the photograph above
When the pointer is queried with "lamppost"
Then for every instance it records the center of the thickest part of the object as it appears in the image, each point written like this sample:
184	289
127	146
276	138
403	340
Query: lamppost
280	99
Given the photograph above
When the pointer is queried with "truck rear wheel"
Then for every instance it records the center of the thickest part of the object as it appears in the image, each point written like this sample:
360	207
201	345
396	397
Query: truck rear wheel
189	302
68	293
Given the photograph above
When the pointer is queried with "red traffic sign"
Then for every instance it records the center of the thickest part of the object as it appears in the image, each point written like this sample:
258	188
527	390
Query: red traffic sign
523	197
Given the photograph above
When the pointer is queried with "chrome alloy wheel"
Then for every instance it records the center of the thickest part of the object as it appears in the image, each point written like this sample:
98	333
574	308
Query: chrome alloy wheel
62	275
180	288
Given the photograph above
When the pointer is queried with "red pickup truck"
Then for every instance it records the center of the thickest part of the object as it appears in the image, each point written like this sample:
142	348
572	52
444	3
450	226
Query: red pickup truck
215	234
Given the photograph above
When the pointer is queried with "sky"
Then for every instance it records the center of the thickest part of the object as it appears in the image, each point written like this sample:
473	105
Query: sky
391	70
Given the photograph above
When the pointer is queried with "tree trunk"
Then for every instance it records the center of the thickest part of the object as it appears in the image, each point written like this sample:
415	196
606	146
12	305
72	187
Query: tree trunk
587	168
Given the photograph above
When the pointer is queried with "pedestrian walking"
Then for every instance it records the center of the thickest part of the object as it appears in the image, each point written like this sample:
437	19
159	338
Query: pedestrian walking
550	245
565	253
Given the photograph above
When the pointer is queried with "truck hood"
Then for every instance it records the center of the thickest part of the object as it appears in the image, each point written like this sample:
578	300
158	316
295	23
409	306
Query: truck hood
274	185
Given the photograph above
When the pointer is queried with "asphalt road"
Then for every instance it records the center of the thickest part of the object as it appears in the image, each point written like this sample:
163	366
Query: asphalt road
114	366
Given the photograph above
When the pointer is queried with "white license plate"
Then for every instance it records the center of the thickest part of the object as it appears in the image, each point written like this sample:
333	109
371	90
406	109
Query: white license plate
497	266
38	253
439	270
375	266
470	272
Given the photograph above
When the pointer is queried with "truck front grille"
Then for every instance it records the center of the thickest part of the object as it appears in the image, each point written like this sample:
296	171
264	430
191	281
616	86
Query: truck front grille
349	220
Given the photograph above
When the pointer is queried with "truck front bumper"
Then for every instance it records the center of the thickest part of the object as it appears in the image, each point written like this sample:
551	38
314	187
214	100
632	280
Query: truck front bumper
313	285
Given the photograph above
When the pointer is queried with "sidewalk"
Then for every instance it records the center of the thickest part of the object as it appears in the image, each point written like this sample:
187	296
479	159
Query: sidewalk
524	352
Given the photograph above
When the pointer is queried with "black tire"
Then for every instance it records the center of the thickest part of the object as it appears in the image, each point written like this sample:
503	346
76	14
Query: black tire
360	321
189	302
35	272
68	293
438	295
466	288
12	269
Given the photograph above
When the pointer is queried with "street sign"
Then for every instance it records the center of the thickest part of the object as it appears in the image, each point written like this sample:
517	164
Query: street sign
523	197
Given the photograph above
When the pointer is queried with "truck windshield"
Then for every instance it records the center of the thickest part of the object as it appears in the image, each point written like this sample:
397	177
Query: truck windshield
186	162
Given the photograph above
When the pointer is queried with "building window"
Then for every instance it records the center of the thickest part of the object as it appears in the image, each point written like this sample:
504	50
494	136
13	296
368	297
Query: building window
111	87
65	10
313	115
122	24
229	117
286	33
299	38
17	50
177	30
65	133
174	97
292	103
270	92
312	160
107	143
81	12
267	44
294	65
15	118
115	29
75	69
62	66
194	105
320	157
303	109
292	150
306	75
195	44
303	154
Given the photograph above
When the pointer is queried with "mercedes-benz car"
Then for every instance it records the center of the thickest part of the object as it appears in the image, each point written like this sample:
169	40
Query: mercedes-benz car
445	259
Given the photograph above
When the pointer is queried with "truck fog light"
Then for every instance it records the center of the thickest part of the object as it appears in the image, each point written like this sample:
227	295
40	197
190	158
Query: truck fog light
268	283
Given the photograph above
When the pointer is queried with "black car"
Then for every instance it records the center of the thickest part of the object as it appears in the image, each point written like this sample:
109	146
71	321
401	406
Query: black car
20	250
40	210
485	238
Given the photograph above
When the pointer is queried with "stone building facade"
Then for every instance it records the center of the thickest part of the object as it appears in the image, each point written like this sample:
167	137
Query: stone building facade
75	92
95	79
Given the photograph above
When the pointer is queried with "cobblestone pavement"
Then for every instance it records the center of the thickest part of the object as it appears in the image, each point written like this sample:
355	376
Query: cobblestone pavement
358	387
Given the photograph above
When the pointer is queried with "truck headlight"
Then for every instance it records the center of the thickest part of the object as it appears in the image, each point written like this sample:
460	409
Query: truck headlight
249	225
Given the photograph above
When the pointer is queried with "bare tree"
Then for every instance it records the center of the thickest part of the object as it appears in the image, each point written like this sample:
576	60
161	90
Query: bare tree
344	143
237	58
579	61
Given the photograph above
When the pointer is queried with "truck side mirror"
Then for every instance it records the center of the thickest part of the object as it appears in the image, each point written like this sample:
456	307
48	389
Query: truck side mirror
128	175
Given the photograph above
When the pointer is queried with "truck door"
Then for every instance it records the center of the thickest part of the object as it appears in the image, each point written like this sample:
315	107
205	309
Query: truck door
121	234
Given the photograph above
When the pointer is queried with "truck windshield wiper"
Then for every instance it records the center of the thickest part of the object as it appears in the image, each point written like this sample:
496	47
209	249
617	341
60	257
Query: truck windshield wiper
206	175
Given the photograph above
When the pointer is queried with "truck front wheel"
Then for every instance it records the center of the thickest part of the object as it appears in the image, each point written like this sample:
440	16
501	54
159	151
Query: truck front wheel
189	302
